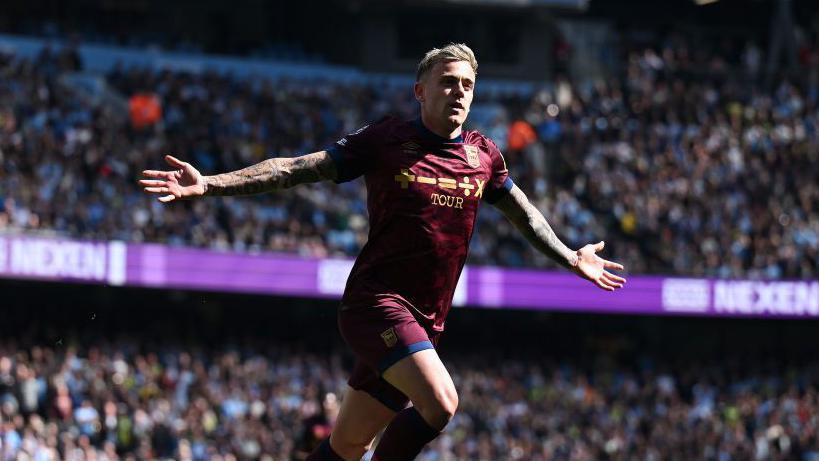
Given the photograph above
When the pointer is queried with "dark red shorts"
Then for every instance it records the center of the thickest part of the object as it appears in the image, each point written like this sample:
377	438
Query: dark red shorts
380	336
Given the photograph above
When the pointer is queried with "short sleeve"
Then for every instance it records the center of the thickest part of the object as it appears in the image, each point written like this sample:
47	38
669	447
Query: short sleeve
499	182
353	154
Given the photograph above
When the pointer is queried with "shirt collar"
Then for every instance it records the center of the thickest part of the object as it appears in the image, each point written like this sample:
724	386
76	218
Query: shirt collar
430	136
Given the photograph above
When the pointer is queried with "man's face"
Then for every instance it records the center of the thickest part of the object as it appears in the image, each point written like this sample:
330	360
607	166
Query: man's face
445	93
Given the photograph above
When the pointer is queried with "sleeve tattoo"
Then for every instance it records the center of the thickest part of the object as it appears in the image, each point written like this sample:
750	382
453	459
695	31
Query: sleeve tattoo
273	174
533	225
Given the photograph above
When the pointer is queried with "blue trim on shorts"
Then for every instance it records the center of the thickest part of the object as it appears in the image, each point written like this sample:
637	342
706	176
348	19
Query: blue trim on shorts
400	353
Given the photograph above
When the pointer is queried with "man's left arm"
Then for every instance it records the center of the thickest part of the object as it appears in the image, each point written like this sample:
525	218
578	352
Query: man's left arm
533	225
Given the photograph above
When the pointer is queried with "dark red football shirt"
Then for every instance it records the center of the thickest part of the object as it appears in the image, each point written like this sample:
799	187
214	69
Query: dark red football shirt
422	196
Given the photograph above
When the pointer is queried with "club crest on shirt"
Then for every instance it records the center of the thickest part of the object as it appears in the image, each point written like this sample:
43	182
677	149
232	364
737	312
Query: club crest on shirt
389	337
472	156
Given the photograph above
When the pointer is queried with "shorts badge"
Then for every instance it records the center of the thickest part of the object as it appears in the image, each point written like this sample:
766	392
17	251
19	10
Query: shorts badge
389	337
472	156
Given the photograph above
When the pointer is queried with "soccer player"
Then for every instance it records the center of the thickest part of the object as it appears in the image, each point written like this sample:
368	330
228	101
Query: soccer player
425	179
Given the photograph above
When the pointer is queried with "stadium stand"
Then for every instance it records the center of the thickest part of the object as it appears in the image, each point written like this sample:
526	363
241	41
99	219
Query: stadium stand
129	375
676	160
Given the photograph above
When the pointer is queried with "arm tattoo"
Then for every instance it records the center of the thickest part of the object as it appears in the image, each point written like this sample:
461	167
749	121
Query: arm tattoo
272	174
531	223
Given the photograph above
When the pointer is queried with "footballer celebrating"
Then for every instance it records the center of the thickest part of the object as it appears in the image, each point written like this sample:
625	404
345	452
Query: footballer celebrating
425	179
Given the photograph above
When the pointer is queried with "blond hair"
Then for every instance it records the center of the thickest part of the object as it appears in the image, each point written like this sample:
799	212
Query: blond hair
451	52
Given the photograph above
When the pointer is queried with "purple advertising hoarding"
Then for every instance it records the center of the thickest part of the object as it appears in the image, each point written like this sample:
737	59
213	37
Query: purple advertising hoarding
161	266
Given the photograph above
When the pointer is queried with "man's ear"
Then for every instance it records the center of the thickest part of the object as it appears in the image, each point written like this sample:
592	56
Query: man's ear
418	88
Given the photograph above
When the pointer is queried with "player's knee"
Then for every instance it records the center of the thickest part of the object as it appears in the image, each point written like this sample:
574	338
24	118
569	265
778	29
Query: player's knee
450	403
443	407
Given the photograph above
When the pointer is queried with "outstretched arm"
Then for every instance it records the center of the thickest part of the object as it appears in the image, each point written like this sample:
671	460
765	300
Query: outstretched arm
270	175
531	223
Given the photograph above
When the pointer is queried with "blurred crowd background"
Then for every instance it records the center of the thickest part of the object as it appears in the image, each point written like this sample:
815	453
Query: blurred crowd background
689	162
245	382
113	401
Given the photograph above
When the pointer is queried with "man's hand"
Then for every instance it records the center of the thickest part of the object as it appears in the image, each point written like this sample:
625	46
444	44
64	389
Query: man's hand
593	268
183	182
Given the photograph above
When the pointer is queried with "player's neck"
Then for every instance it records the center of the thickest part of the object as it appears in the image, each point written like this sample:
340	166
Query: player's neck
445	134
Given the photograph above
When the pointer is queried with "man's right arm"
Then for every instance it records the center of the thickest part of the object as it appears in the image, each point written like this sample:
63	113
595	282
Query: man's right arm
185	181
531	223
273	174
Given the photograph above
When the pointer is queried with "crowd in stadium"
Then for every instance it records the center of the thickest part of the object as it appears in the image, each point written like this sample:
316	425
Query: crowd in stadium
687	164
114	401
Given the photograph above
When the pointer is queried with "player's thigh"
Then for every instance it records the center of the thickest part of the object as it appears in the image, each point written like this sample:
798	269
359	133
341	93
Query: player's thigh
425	380
360	418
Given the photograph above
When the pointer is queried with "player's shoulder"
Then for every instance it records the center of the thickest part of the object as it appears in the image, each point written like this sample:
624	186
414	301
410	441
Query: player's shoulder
385	127
476	138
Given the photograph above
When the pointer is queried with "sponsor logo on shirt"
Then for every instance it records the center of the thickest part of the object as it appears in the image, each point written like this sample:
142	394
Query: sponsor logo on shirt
466	184
447	201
